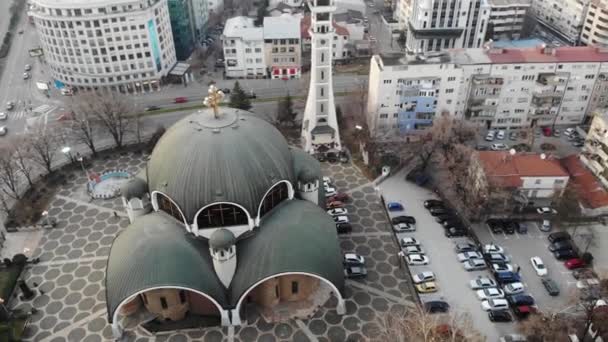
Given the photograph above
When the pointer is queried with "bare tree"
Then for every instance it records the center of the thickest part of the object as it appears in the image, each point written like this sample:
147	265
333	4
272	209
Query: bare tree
82	124
44	145
416	324
23	158
112	110
9	174
550	327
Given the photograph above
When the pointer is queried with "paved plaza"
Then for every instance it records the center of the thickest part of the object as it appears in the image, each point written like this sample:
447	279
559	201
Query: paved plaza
70	276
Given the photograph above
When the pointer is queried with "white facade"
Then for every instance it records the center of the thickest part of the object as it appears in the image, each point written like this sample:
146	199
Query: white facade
122	44
243	45
215	6
320	129
507	18
436	25
497	88
595	151
563	17
201	16
595	29
542	187
403	10
283	48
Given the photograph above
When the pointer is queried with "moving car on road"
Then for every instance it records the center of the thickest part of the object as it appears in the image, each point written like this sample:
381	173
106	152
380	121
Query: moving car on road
10	105
539	266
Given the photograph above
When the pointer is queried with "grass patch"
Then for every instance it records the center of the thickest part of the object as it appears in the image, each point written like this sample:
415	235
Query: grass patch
8	279
13	330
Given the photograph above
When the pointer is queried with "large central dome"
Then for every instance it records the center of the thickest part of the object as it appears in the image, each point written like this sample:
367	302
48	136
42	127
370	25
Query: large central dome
236	158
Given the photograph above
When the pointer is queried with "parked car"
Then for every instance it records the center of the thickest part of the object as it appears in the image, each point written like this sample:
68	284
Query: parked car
490	293
341	219
343	156
546	226
546	210
433	203
493	248
539	266
561	245
180	99
10	105
507	277
344	228
522	228
495	304
27	67
453	232
426	287
3	116
353	259
439	210
465	247
500	135
500	316
445	217
509	227
417	259
332	157
565	254
513	288
340	196
394	206
354	272
558	236
416	249
502	267
26	75
423	277
226	90
409	241
523	311
3	131
403	219
481	282
520	299
337	211
495	225
330	192
474	265
551	286
468	256
334	204
436	306
490	136
496	257
499	147
569	131
404	228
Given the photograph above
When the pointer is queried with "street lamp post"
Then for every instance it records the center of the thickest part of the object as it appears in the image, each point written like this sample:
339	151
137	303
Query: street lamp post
67	151
80	159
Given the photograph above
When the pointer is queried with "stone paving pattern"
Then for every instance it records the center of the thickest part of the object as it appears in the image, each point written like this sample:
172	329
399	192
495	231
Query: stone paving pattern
70	276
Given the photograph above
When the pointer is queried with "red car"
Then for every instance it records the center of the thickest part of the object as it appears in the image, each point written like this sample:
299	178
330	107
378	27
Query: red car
334	204
575	263
180	100
340	196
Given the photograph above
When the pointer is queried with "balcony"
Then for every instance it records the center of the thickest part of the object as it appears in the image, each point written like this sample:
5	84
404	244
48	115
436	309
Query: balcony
550	79
487	80
547	93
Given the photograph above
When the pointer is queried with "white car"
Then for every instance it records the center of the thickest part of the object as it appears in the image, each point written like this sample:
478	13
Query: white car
500	135
3	116
490	136
545	226
490	293
409	241
492	248
469	255
495	304
27	67
2	130
539	266
353	259
546	210
337	211
499	147
502	267
482	283
423	277
417	259
341	219
326	179
404	227
329	191
513	288
569	131
474	265
413	250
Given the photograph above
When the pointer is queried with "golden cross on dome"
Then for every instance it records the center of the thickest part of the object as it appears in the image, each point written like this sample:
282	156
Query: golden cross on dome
214	99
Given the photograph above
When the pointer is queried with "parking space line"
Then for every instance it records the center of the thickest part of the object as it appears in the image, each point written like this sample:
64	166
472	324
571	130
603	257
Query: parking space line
490	231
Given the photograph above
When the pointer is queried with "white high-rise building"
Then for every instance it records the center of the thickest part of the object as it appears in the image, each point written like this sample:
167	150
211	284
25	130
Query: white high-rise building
243	45
320	129
564	18
125	45
434	25
595	30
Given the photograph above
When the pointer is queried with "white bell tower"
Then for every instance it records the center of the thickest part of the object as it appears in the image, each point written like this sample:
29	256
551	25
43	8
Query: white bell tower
320	126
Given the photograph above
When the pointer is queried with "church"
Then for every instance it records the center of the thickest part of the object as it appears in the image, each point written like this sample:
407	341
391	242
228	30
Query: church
226	217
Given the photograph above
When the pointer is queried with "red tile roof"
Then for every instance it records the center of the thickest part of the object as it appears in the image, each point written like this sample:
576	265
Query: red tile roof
305	25
505	170
591	191
537	55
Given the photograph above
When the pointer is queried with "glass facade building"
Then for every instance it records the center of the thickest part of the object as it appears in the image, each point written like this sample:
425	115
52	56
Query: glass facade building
180	12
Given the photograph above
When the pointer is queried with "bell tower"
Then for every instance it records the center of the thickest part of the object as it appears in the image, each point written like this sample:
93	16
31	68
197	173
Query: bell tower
320	129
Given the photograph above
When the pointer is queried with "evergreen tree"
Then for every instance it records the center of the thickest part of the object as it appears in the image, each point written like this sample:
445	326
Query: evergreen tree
285	112
238	98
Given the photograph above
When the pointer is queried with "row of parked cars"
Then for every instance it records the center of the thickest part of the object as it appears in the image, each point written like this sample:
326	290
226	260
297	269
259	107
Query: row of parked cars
335	204
447	217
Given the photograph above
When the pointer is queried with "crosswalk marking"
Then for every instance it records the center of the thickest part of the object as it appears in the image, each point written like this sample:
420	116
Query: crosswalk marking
17	115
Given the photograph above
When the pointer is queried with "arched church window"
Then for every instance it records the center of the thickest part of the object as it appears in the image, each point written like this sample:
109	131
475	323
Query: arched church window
278	194
222	215
166	205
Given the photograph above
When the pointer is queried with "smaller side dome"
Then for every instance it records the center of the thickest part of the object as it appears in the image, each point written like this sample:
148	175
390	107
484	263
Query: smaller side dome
222	239
134	187
307	175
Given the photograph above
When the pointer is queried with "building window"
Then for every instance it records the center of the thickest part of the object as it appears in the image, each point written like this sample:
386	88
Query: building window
537	181
559	182
163	302
144	298
276	291
222	215
182	296
278	194
166	205
294	287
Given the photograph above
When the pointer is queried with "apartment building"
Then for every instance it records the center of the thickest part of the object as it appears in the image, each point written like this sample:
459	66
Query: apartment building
595	152
595	29
563	18
340	42
282	47
435	25
496	88
243	45
507	18
124	45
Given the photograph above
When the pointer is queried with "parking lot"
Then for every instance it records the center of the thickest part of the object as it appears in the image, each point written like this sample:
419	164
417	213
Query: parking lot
451	278
564	147
522	247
